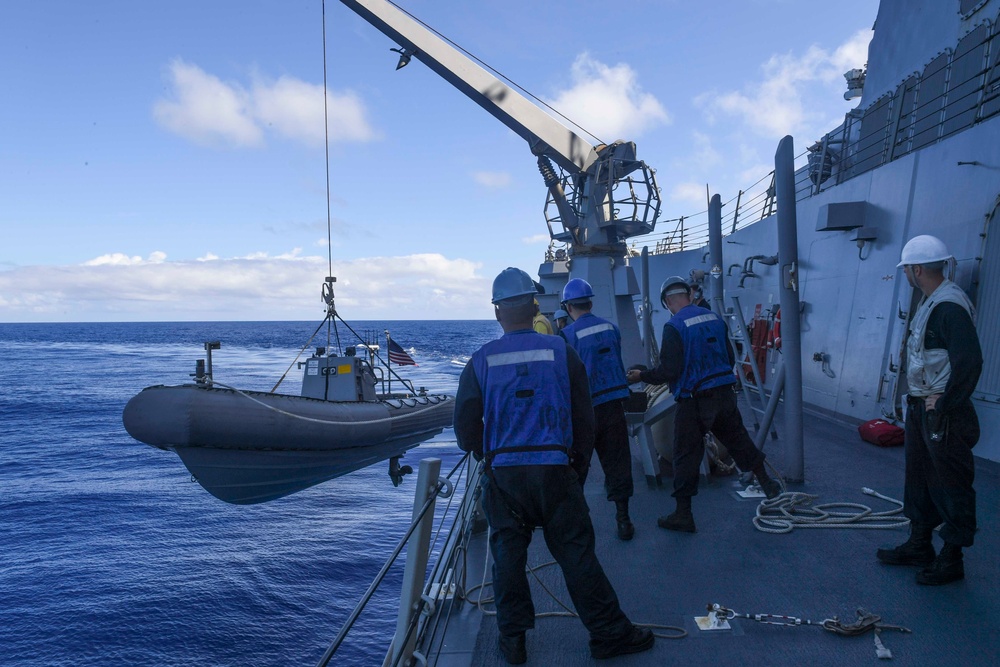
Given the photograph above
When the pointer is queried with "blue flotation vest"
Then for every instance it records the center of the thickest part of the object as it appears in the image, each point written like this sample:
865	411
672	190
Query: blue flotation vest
527	411
599	344
706	357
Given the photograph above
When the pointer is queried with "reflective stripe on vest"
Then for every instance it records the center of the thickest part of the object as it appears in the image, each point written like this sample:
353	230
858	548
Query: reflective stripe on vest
599	344
527	411
928	371
706	359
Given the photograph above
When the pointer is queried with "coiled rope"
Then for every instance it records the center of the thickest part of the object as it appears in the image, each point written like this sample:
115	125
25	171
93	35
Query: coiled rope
793	510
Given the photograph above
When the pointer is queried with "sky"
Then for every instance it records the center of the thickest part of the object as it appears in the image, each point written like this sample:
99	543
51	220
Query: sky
167	161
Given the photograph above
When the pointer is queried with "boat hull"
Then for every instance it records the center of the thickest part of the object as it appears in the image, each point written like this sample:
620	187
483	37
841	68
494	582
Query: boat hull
251	447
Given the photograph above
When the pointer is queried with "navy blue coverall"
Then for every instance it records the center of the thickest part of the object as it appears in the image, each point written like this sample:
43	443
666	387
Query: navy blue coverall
521	497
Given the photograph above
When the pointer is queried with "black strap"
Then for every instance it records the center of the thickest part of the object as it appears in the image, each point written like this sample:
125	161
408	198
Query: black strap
608	390
488	470
526	448
710	377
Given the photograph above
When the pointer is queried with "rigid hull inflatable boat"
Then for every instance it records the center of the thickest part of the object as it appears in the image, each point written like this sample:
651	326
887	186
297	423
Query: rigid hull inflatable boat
248	447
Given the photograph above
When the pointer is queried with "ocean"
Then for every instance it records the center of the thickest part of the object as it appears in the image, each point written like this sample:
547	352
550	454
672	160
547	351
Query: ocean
112	555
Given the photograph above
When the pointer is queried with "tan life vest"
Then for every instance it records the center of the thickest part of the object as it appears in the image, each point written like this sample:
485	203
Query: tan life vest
928	371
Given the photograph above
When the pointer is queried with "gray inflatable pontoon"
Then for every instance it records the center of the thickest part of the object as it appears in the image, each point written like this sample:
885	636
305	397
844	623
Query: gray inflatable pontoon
248	447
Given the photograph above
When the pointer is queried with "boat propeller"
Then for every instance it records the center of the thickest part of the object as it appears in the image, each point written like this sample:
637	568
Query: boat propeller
396	471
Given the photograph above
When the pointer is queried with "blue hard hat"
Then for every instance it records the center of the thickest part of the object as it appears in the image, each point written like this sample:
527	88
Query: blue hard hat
560	314
577	291
512	283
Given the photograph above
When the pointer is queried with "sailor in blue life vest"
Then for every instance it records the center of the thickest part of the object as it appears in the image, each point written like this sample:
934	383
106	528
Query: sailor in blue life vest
599	344
943	361
697	361
523	407
559	320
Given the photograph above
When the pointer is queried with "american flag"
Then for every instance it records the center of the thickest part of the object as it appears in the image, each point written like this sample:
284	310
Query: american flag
398	355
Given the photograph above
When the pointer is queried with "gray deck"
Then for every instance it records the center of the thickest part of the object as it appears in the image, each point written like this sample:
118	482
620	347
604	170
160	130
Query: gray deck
668	578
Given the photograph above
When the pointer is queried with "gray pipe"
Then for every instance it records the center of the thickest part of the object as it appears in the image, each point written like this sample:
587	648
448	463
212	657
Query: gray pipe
715	250
791	330
772	404
649	343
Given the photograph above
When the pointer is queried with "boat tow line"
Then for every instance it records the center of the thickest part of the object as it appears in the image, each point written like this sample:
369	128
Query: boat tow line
792	510
719	616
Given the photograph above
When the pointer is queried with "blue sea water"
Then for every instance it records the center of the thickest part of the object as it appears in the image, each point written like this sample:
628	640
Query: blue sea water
111	555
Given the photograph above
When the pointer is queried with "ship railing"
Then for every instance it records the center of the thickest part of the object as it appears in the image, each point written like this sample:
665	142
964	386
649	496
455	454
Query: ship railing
957	88
689	232
426	604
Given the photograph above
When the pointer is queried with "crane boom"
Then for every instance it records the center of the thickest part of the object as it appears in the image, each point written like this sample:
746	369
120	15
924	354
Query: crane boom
545	135
602	196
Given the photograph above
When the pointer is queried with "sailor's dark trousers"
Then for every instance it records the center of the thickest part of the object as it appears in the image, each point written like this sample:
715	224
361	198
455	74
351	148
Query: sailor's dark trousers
939	474
712	410
551	498
611	443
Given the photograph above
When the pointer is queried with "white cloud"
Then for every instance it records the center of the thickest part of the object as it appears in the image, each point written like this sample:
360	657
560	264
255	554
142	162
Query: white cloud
852	53
121	259
692	192
780	103
294	109
705	156
492	179
608	101
258	286
207	110
537	238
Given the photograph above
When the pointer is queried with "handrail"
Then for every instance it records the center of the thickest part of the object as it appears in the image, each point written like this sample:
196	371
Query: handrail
325	660
958	88
366	597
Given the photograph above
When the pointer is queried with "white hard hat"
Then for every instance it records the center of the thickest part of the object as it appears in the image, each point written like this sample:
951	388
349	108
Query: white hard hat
679	284
923	249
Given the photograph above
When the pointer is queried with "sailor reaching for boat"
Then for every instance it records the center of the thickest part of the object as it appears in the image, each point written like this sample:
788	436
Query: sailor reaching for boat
697	361
943	364
523	405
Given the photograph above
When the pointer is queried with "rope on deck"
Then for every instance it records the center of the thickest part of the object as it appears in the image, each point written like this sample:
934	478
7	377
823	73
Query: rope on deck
793	510
679	633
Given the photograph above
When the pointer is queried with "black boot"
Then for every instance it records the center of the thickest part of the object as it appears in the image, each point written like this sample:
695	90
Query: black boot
625	528
949	566
918	550
681	520
637	640
770	486
513	649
